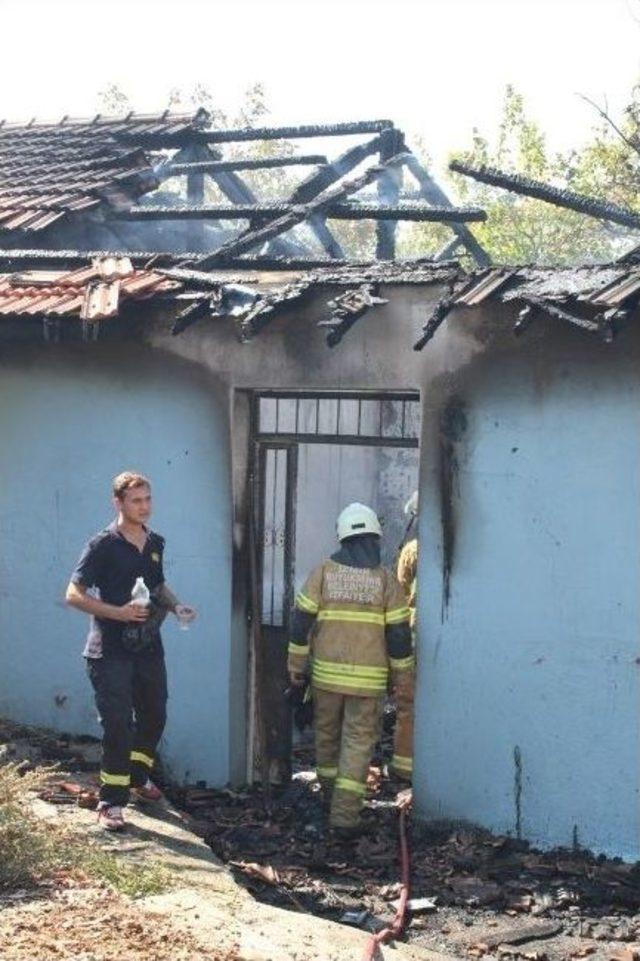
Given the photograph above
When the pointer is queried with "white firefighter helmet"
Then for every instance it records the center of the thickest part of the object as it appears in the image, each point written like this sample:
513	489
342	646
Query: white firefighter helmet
357	519
411	507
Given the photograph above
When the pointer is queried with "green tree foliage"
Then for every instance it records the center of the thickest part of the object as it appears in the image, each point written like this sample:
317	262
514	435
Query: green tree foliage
523	230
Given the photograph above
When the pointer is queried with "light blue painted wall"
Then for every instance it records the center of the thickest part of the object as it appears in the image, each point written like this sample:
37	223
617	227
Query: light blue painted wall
65	429
539	648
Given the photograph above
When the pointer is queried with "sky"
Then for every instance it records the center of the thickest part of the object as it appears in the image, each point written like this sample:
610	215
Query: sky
438	68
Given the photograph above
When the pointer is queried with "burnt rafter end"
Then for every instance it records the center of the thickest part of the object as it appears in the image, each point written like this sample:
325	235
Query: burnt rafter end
264	308
603	324
195	311
439	314
348	308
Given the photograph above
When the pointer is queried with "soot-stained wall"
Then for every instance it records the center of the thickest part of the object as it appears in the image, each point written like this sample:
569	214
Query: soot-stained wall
528	710
74	414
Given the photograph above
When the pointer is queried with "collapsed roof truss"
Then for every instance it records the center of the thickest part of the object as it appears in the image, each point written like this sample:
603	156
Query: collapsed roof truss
198	159
98	169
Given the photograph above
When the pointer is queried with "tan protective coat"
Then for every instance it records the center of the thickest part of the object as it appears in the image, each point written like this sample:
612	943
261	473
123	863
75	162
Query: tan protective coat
347	645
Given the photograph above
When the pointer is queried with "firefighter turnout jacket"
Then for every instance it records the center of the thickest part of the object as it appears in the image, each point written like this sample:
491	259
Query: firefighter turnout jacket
407	574
402	762
351	626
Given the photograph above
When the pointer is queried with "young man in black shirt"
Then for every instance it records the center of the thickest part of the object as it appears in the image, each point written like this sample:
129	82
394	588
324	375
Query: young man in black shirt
125	659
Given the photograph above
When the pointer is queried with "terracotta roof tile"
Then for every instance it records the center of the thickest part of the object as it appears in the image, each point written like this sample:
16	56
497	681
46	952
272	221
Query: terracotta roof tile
91	293
74	164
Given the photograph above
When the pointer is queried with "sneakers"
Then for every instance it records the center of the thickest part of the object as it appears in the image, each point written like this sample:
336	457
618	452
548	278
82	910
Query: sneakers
148	792
110	817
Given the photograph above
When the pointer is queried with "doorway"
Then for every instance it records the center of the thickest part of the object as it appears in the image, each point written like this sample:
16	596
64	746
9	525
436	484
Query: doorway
314	453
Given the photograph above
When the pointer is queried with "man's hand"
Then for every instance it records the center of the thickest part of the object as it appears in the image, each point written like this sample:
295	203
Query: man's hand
78	597
131	612
297	679
185	613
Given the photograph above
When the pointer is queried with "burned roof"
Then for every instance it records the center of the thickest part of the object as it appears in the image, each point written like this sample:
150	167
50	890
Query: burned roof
56	285
50	288
596	299
558	284
324	270
50	170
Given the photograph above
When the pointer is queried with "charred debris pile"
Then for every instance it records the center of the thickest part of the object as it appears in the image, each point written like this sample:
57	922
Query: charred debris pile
470	888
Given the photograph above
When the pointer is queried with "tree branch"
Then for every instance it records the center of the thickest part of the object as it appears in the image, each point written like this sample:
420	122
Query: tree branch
605	116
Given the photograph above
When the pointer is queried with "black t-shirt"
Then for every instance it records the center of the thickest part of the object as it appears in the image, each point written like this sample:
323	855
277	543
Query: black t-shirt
112	563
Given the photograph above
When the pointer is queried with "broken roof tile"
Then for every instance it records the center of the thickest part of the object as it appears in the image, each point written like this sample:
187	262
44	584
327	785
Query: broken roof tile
93	292
100	300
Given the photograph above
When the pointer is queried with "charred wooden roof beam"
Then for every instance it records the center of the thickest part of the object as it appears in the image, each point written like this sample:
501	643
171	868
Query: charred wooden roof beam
436	196
182	138
418	212
319	180
233	187
328	198
337	211
600	209
389	186
220	166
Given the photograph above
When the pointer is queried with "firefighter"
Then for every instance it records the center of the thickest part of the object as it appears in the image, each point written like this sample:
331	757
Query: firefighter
407	570
351	624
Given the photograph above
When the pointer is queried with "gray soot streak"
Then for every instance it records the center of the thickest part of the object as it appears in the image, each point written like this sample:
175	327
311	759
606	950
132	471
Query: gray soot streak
453	426
517	789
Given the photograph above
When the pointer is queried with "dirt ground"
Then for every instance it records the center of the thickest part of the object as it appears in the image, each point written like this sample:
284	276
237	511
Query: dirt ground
488	896
79	923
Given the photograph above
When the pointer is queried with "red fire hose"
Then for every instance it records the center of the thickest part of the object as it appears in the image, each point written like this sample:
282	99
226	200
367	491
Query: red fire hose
396	927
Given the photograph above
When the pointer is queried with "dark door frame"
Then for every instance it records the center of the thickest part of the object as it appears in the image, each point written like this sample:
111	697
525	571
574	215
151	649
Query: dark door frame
263	720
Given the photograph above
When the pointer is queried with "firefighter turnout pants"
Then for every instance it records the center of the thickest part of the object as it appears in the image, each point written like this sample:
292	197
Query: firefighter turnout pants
346	730
402	760
131	697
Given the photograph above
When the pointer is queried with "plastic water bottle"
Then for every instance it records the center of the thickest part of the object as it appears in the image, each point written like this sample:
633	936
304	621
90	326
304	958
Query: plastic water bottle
140	593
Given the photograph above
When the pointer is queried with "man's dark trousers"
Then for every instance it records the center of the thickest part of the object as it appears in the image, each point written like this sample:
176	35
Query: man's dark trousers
131	697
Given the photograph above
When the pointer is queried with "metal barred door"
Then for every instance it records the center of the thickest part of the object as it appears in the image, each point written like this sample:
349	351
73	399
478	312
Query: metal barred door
327	444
